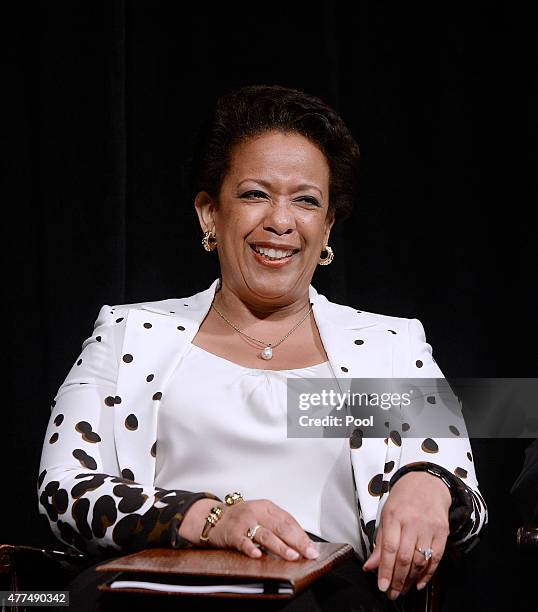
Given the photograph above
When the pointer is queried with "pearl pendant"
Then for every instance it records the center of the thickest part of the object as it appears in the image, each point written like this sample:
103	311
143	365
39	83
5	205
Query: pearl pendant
267	353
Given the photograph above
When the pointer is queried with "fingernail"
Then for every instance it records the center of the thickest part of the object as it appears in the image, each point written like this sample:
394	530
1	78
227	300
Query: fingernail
312	553
393	594
292	554
383	584
420	586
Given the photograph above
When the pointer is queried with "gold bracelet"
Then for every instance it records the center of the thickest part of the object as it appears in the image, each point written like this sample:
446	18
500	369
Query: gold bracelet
233	498
211	521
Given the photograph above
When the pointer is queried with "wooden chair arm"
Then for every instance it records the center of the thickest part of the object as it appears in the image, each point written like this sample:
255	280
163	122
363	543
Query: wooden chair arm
27	568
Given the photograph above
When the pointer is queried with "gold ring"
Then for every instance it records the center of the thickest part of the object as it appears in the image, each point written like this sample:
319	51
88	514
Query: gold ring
251	532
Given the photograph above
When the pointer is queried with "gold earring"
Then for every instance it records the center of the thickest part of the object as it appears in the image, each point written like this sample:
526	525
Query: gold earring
325	261
209	241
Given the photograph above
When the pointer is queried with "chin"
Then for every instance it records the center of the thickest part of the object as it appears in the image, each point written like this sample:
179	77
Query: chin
272	287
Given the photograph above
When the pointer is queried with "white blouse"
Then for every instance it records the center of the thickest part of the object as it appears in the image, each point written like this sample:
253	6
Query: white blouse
222	427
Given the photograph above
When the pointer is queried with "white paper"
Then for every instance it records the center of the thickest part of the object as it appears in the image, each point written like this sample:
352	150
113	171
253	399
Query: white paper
252	588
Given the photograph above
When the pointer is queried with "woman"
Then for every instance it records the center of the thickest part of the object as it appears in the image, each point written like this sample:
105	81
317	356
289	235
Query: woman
173	404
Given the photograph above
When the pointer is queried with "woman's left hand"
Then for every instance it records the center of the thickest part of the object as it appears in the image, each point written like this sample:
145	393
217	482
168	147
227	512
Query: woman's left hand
414	515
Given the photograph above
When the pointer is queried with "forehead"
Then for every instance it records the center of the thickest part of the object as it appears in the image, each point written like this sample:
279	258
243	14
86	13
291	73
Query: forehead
278	153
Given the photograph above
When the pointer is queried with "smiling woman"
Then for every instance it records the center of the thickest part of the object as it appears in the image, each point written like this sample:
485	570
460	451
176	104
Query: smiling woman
188	414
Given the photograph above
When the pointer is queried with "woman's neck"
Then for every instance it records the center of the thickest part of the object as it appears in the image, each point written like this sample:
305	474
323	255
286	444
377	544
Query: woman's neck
243	311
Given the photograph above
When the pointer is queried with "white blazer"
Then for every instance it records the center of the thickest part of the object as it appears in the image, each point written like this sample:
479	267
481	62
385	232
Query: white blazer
97	467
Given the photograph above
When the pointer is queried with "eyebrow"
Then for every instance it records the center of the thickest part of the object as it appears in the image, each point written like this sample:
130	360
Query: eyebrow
300	187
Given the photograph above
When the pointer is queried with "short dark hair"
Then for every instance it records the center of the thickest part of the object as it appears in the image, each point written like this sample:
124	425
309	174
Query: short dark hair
255	109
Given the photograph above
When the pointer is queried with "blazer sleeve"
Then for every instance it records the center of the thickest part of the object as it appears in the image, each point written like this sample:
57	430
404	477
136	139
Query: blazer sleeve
89	504
450	454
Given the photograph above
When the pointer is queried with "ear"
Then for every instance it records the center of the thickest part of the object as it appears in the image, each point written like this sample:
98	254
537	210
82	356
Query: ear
329	222
205	208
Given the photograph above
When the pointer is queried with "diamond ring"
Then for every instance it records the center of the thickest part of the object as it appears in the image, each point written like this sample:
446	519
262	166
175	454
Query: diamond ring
427	552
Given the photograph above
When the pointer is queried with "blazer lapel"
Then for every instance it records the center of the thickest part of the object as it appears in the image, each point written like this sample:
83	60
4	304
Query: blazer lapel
156	337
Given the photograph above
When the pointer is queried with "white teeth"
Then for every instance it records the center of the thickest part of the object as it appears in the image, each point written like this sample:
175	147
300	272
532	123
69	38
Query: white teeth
273	253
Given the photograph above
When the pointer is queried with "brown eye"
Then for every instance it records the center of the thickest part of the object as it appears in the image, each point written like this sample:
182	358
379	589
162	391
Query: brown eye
310	200
253	194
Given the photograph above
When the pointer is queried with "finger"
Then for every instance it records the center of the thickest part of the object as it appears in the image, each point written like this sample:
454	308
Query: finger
288	530
419	566
438	547
389	545
373	560
272	542
403	561
247	546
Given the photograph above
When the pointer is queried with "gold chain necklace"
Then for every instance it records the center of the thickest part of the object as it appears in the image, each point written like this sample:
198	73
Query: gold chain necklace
267	352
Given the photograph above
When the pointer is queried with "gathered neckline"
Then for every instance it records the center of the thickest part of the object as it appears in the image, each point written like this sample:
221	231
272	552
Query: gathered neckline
238	365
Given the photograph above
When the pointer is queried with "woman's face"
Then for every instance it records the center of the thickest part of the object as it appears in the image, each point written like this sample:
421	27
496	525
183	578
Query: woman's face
272	220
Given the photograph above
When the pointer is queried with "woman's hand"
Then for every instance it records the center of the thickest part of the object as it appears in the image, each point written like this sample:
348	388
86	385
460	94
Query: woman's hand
279	532
414	515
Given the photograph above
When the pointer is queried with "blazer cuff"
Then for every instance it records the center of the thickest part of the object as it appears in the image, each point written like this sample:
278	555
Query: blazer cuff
461	508
174	515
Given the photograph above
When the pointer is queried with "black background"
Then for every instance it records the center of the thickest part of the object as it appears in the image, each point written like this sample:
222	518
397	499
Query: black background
103	101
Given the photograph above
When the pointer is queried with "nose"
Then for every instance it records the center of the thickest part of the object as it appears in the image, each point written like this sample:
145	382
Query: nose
279	219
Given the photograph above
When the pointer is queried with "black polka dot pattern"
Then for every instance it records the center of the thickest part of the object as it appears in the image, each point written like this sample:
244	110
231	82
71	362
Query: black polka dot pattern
127	515
355	440
389	466
132	498
84	428
95	481
377	486
41	478
395	437
131	422
429	446
104	515
127	474
86	461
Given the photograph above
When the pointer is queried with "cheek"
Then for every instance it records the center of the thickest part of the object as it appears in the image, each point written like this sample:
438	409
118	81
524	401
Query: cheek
312	230
241	222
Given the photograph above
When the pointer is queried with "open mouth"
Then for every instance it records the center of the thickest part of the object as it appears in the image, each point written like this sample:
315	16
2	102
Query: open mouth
272	254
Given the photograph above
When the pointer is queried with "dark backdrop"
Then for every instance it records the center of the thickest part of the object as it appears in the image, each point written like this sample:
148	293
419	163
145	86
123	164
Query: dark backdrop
104	100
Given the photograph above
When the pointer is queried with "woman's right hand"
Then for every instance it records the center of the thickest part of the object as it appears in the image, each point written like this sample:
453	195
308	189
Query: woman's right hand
279	532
